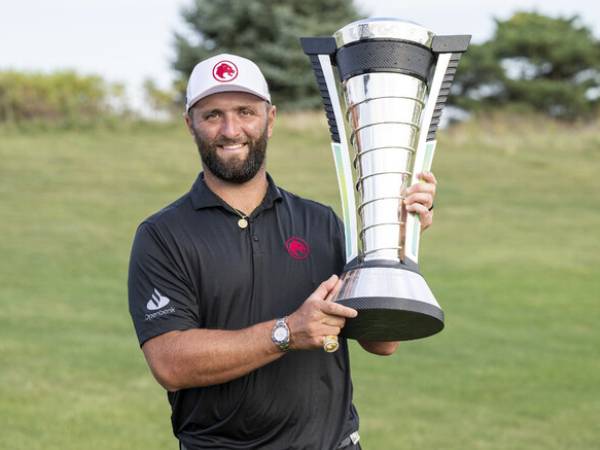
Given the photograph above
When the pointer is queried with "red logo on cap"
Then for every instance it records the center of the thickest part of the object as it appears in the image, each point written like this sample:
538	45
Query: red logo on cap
225	71
297	248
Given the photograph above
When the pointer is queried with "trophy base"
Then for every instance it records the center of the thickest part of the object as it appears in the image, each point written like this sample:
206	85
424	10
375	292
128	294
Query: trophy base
393	304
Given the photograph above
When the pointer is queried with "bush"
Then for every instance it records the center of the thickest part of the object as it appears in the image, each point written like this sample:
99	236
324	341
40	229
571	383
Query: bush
60	98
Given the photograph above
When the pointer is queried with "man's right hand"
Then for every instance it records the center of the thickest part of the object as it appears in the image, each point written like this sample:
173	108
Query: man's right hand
318	317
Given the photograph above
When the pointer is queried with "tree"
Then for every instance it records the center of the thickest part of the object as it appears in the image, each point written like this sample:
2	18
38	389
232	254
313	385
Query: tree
267	32
550	64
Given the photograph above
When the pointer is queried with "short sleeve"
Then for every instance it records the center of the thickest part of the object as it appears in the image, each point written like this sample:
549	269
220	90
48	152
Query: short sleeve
161	298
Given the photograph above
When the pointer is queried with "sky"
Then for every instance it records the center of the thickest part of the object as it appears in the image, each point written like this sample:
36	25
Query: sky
129	41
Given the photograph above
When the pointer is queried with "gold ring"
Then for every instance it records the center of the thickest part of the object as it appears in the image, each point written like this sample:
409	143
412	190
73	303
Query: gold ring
330	343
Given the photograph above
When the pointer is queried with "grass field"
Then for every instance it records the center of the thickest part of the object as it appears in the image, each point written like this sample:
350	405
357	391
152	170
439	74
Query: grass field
513	258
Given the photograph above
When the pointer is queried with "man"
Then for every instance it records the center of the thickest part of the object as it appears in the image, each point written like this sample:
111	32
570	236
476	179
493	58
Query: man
230	286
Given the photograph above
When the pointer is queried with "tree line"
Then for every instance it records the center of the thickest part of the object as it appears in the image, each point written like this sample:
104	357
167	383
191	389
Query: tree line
63	98
531	62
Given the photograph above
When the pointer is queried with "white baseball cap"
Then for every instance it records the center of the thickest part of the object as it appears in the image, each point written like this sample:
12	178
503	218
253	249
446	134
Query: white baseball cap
225	73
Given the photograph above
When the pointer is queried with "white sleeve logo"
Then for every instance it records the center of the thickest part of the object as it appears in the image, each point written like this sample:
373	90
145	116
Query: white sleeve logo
157	301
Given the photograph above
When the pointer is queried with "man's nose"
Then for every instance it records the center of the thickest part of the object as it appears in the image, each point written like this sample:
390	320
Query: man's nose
230	127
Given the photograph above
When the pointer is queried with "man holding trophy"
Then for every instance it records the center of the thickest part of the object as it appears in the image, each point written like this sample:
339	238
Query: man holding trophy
233	288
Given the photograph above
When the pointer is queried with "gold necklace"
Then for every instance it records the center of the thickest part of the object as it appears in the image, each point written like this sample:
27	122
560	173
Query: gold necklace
243	220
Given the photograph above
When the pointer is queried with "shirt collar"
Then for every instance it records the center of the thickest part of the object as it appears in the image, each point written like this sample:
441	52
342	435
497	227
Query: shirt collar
203	197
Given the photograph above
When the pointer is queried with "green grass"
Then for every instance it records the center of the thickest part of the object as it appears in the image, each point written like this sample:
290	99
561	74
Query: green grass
512	257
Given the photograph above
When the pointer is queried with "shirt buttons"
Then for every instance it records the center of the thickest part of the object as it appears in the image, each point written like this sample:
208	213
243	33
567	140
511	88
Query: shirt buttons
255	238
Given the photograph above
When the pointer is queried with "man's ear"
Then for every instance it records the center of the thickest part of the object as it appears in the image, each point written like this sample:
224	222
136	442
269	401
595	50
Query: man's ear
188	122
271	114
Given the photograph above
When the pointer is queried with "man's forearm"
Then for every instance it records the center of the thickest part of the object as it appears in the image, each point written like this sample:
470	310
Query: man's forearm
201	357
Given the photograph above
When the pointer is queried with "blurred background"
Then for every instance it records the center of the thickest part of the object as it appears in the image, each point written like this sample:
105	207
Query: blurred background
92	142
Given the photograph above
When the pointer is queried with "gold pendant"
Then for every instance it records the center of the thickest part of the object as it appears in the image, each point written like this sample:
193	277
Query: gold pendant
242	223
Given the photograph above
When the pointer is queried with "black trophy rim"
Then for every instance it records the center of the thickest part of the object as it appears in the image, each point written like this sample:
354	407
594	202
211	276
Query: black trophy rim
391	319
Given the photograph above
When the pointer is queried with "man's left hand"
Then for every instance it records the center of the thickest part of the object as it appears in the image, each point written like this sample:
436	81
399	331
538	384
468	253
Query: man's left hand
419	198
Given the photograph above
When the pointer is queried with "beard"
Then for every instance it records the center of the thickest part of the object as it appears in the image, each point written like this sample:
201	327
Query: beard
236	170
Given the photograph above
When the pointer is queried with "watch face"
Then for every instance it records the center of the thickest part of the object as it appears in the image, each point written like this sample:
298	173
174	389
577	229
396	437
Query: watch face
280	334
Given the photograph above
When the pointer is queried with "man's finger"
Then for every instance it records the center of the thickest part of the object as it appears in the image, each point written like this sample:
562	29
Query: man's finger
418	208
421	187
325	287
335	290
428	177
333	321
422	198
425	216
331	331
335	309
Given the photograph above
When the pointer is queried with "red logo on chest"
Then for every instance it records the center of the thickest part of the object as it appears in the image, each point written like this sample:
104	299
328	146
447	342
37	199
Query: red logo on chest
297	248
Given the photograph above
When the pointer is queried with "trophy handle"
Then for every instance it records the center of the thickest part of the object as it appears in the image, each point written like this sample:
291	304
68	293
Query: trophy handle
320	51
449	49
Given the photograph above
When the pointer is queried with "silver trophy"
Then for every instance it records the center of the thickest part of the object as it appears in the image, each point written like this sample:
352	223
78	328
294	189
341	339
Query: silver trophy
395	77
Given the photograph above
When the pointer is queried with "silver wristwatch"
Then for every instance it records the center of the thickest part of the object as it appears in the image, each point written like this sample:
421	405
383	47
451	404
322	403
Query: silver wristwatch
281	334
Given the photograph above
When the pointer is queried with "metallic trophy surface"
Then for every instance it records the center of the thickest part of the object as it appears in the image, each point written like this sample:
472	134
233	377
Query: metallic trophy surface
395	77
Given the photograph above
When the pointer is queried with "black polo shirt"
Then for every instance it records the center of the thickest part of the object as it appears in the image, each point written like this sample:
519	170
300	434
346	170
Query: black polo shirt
192	266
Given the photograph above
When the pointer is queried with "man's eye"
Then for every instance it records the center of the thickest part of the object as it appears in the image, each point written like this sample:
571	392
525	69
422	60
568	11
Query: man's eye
246	112
211	115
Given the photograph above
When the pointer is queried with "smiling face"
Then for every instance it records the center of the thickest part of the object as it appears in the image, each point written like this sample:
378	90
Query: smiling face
231	130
